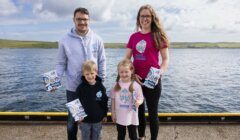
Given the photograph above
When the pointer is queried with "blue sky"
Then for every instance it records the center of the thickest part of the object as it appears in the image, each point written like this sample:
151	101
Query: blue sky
114	20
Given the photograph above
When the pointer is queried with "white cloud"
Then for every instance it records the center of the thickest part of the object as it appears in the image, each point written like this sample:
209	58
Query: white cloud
209	20
7	8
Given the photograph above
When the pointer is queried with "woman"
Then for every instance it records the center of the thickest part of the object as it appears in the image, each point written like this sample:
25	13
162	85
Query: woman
145	46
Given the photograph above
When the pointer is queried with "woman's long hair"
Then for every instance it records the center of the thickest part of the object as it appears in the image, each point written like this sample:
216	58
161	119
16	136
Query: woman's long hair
125	63
159	35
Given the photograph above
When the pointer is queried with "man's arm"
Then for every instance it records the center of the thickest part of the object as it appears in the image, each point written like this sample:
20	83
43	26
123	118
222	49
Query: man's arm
61	60
101	61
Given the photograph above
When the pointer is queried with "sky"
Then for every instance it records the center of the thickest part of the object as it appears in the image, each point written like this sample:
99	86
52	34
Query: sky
115	20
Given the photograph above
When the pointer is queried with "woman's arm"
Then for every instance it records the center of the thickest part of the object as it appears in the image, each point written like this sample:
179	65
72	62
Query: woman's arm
165	59
128	53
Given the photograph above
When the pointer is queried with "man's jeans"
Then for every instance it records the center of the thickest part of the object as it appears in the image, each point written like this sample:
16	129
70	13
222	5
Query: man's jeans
91	131
71	124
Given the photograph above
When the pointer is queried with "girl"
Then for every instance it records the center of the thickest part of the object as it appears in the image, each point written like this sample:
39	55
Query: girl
126	96
146	46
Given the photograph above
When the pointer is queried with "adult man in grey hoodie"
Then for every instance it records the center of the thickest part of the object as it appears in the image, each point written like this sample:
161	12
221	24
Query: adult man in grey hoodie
79	45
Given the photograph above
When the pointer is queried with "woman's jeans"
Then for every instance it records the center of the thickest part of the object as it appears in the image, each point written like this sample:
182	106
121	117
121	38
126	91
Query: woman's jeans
152	97
71	124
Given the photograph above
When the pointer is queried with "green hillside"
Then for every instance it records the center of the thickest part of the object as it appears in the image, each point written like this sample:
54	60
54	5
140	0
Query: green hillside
41	44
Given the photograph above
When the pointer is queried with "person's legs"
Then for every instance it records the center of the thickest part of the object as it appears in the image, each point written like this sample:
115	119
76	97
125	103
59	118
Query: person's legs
142	120
132	131
152	97
85	130
96	131
71	124
121	132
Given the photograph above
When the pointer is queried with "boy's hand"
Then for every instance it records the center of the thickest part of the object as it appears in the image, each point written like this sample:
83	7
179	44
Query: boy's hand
114	119
104	119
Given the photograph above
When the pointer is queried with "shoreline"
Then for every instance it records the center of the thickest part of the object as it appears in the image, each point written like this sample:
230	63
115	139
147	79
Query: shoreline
4	43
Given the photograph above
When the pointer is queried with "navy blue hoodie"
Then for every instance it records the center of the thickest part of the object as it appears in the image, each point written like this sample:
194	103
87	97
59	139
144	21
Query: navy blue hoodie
93	99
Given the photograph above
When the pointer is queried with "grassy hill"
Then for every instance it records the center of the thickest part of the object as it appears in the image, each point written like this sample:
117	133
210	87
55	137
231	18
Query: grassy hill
41	44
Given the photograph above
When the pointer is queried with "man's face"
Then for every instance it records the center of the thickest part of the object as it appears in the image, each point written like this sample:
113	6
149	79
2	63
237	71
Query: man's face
81	22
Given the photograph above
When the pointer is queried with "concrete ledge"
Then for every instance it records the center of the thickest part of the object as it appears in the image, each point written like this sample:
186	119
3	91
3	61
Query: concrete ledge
56	130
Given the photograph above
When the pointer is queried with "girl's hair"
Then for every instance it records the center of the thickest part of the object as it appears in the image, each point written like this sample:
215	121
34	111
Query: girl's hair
125	63
89	66
159	35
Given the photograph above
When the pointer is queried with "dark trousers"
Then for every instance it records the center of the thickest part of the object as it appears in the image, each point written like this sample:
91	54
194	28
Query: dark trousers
132	131
72	126
152	97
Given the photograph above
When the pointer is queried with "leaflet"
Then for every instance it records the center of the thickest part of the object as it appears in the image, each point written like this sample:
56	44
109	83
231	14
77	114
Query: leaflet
76	109
51	80
152	78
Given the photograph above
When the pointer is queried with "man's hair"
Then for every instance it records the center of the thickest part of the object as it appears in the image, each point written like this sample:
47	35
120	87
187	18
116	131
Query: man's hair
89	66
81	10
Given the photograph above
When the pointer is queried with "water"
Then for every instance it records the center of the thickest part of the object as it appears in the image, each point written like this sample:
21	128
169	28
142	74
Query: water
197	80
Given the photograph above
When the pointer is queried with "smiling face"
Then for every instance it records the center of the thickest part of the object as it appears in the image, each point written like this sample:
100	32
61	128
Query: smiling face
125	73
81	22
145	19
90	76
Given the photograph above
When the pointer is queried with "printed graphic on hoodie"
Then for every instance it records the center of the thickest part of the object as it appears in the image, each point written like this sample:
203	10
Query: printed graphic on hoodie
99	95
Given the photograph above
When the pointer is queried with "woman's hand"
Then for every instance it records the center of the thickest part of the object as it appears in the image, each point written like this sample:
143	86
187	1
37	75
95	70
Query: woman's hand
138	79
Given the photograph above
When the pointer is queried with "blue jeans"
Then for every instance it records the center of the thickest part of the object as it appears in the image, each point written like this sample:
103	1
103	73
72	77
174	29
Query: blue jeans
71	124
91	131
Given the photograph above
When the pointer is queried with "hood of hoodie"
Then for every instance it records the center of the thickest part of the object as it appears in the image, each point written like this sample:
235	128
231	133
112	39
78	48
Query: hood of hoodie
73	33
98	79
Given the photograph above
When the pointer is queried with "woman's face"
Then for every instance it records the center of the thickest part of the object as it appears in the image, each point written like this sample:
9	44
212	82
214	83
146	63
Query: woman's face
145	19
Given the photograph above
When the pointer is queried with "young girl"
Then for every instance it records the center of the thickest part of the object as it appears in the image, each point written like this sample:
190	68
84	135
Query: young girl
126	96
146	46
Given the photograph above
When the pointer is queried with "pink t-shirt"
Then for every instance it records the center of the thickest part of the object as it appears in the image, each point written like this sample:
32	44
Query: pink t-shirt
125	114
145	54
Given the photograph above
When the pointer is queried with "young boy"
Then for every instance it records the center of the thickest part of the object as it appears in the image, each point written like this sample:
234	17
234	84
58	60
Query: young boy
92	95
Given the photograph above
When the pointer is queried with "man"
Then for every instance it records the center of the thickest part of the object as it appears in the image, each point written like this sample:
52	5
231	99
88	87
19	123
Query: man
79	45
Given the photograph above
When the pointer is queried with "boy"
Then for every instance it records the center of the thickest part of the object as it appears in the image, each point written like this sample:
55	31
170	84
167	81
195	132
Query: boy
92	95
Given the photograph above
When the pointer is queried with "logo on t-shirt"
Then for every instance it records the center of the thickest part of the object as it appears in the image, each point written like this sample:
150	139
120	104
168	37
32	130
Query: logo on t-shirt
98	96
141	46
124	96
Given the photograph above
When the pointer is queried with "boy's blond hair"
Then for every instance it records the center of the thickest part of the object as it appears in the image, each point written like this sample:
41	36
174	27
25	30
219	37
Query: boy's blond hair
89	66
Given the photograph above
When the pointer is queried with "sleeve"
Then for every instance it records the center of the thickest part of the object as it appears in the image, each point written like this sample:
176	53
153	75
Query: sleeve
61	60
105	100
101	61
138	89
129	44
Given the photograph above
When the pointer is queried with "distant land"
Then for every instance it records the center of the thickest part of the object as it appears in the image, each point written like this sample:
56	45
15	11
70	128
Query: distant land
4	43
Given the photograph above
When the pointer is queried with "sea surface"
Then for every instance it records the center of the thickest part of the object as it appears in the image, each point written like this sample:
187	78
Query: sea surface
197	80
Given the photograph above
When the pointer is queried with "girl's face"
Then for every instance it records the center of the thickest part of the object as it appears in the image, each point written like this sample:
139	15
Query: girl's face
125	73
145	19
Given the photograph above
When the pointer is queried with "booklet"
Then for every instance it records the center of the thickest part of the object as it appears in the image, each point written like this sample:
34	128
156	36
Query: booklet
76	109
152	78
134	99
51	80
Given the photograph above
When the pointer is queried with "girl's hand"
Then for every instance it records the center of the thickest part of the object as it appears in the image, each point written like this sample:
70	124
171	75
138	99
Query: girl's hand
138	79
114	119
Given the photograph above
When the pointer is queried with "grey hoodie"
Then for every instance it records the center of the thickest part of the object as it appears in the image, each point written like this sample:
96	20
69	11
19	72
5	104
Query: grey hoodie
73	50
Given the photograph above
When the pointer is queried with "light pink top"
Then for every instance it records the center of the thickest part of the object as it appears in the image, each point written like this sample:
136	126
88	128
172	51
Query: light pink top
125	114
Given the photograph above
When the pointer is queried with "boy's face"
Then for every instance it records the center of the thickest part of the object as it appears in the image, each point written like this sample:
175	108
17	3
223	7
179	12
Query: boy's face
90	76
